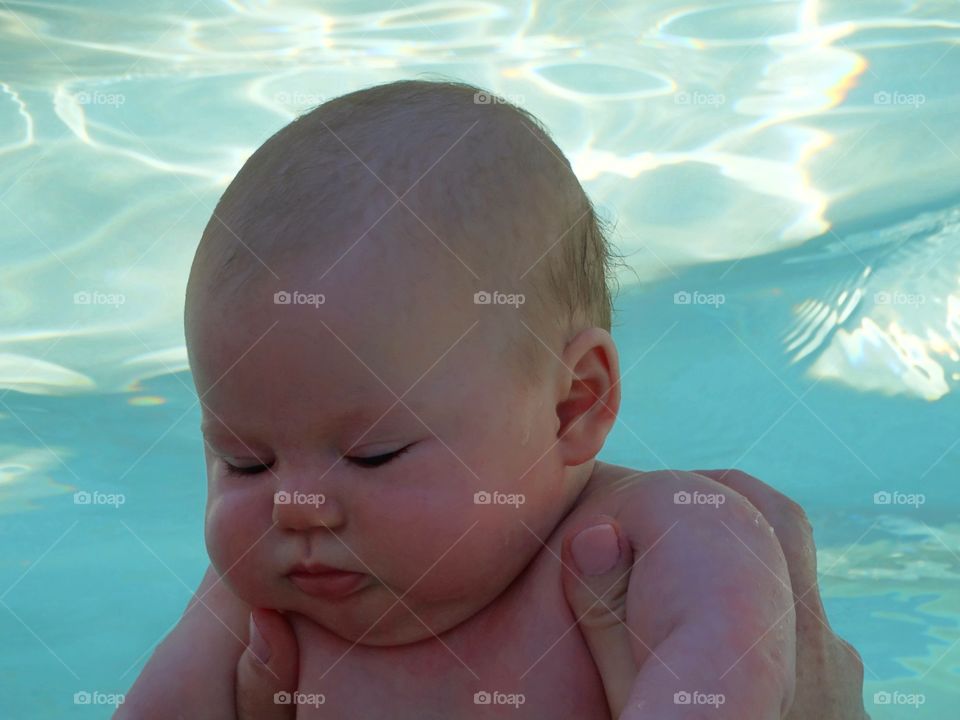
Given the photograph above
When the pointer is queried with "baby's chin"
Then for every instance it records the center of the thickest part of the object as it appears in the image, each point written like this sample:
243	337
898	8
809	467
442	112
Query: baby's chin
372	616
369	615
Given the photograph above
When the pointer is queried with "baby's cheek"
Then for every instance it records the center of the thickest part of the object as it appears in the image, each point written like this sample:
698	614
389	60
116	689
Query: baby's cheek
220	534
404	536
231	534
450	553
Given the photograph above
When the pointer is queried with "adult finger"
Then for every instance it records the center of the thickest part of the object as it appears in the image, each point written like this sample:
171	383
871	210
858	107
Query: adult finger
267	673
597	561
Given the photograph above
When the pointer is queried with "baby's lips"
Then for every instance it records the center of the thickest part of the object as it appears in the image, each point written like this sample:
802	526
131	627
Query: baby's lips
315	568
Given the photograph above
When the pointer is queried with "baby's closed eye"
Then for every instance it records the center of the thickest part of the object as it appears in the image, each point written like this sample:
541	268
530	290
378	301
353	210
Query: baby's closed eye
378	460
371	461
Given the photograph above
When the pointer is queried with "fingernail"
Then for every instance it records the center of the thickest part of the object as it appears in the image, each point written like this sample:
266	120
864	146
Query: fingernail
596	550
257	643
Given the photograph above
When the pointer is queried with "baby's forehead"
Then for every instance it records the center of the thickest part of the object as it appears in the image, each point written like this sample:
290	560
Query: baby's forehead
387	365
380	298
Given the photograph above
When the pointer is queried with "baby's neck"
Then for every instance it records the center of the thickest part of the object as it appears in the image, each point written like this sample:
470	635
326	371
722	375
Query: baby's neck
580	481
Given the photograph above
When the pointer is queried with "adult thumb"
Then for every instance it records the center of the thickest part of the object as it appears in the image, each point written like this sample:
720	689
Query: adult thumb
597	560
267	673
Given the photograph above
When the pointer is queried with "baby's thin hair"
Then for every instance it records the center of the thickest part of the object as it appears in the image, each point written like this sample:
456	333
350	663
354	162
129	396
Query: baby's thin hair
516	169
580	267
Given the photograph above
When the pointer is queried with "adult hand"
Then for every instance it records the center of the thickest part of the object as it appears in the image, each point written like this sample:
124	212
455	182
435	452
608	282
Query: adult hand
829	671
267	672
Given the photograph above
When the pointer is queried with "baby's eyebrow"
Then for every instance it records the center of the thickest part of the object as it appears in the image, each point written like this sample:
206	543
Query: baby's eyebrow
356	419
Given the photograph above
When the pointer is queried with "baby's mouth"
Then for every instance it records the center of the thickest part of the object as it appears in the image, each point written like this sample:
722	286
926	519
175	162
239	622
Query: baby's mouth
326	582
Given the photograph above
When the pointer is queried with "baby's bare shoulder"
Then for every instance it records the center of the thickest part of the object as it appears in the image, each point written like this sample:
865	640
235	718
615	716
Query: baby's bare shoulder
693	510
655	496
718	550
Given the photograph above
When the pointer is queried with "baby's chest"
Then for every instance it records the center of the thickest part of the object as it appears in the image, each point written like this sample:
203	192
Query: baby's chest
524	659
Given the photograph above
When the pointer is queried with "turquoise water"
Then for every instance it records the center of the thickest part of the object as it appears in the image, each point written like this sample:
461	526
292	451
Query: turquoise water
790	168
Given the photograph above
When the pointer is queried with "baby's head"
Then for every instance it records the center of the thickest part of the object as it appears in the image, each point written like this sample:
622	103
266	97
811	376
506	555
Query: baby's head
347	363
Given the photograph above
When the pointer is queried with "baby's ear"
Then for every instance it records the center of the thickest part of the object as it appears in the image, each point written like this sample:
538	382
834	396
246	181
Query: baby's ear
590	395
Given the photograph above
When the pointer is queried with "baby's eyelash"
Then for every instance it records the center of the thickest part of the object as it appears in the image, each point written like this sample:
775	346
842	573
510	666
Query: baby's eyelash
374	461
252	470
378	460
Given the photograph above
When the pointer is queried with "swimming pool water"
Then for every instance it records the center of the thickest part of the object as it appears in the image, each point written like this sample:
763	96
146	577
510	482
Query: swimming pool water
784	177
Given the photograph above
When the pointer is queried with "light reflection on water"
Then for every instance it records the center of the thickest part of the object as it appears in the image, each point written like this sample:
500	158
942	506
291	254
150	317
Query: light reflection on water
801	158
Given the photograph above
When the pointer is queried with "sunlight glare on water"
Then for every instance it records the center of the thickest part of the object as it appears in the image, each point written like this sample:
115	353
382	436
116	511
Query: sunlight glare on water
795	163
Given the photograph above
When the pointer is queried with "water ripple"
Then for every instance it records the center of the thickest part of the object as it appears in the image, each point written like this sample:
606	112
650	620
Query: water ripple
709	132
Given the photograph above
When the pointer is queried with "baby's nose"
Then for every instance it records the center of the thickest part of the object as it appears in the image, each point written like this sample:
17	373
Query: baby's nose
297	510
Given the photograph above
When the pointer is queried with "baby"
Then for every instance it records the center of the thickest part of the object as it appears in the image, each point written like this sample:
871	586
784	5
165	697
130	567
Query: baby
398	325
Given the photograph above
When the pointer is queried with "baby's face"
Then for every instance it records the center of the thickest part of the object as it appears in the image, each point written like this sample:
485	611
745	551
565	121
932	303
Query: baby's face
380	486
